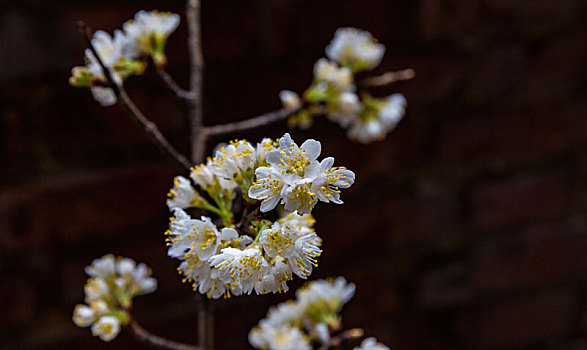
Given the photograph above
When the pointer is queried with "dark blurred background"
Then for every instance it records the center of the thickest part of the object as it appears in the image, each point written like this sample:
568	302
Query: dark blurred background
466	228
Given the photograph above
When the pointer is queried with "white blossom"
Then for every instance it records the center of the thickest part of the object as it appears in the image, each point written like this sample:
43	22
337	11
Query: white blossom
110	51
275	278
123	272
278	338
125	266
238	156
330	180
196	237
205	278
96	289
355	48
367	132
340	77
195	242
290	99
279	240
83	315
243	269
202	175
300	250
107	328
303	223
320	332
371	344
287	313
375	124
148	32
103	267
227	185
263	148
305	255
311	316
104	95
100	307
109	291
270	186
392	110
134	278
289	178
291	159
331	294
298	195
182	194
219	264
345	110
140	280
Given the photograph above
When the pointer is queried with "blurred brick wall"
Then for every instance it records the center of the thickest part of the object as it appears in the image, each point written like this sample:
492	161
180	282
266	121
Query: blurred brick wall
466	229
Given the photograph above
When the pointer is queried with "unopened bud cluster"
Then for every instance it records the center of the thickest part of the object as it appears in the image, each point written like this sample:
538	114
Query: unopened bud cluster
124	54
261	255
109	291
335	92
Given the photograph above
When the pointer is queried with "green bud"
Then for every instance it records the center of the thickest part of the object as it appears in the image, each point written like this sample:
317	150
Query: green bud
371	107
356	66
126	67
303	119
259	226
317	93
81	77
122	316
157	49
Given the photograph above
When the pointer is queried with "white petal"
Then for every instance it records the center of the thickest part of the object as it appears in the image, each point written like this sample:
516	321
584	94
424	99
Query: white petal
228	234
313	148
269	203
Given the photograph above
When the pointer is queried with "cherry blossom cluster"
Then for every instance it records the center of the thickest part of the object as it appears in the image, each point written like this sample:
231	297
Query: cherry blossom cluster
109	291
232	167
311	318
125	54
335	92
261	255
296	179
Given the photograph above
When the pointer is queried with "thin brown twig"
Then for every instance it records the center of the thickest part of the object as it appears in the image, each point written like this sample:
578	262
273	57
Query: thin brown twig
247	217
251	123
86	32
388	78
210	324
148	126
197	137
152	131
201	302
173	86
156	341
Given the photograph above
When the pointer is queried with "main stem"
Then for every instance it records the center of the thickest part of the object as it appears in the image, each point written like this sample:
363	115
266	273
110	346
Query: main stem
198	140
197	136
